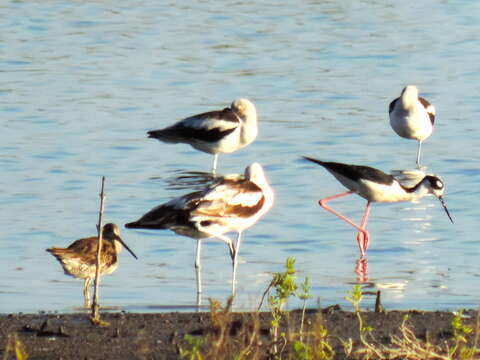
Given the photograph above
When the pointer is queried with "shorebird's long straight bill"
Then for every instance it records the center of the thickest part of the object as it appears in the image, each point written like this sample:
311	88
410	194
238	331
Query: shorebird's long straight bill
125	246
445	207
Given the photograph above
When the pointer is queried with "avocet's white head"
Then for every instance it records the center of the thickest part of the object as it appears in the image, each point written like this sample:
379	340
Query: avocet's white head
245	109
254	172
409	95
436	187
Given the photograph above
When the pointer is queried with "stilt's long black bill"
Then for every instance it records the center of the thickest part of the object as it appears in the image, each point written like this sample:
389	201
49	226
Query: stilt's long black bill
445	207
126	247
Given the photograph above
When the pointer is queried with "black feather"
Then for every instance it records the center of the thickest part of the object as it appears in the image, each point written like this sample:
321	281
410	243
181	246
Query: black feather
356	172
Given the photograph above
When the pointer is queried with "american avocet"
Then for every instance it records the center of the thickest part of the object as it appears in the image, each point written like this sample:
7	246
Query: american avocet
214	132
233	203
376	186
412	117
80	258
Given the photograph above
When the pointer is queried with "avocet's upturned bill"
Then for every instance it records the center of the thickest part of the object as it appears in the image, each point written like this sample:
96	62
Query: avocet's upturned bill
214	132
232	204
376	186
412	117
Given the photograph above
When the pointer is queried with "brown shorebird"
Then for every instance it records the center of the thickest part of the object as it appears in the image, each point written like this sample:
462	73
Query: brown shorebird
80	258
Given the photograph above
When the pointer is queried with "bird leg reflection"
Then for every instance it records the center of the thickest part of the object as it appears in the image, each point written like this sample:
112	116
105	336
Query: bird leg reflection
198	274
233	248
236	248
198	268
361	269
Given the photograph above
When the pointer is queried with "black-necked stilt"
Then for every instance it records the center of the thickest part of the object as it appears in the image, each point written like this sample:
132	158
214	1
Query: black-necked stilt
233	203
80	258
376	186
214	132
412	117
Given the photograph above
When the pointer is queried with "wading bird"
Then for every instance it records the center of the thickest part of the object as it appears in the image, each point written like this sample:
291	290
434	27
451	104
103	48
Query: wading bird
80	258
376	186
214	132
233	203
412	117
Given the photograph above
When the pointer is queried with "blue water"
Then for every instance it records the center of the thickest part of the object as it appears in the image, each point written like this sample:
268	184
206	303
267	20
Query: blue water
81	83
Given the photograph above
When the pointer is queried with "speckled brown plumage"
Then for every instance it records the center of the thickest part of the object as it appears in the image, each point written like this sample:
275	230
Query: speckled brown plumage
79	258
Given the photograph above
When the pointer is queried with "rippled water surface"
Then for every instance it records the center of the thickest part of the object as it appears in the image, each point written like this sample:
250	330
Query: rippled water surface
81	83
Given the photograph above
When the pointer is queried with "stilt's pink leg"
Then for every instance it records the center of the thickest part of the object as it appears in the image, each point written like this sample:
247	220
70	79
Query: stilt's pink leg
323	203
364	241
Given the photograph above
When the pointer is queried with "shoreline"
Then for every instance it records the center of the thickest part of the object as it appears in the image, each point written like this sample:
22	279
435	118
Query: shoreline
162	335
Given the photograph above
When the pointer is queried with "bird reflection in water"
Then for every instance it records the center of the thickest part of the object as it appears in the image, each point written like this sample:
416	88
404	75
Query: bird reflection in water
187	180
409	177
361	269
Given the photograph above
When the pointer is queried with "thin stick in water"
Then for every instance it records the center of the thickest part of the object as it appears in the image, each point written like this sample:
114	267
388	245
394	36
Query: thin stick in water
95	316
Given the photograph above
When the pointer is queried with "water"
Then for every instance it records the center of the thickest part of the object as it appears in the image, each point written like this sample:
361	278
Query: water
81	82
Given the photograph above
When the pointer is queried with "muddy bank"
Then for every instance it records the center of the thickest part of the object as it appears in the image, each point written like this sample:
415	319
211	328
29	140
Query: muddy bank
161	336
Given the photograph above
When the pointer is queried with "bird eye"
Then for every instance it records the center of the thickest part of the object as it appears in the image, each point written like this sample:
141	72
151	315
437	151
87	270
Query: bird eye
438	184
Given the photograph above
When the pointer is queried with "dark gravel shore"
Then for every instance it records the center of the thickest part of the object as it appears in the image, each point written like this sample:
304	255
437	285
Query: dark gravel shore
160	336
